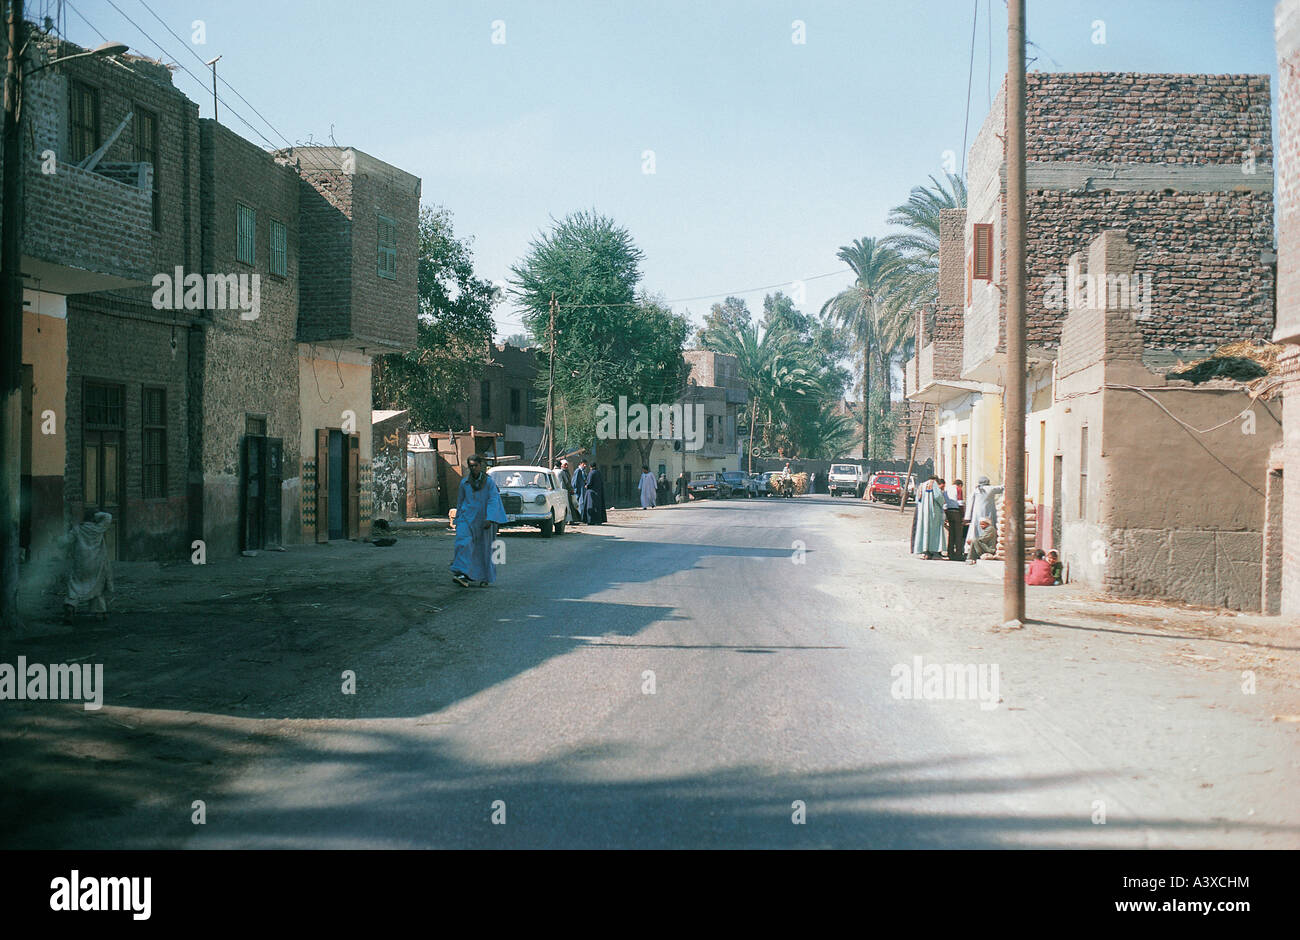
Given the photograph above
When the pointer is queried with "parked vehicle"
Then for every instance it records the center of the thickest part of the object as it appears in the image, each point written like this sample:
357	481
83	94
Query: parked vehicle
887	487
737	482
533	496
757	484
708	483
846	478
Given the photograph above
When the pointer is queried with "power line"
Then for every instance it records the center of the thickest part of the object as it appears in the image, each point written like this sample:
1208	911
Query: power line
970	74
203	84
220	78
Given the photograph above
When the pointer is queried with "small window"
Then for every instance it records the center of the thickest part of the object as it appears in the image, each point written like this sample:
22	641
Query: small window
153	421
279	249
983	260
247	233
146	151
485	399
83	123
515	405
387	247
708	425
103	407
255	425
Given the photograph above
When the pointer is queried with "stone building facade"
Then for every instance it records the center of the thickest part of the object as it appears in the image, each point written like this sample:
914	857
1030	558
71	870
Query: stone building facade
167	328
1282	554
1183	165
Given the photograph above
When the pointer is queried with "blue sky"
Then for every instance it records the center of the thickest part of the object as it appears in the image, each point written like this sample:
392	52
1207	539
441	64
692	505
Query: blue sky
768	155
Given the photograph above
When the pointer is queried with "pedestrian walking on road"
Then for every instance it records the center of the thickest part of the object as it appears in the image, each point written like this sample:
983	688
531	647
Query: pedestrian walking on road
928	539
90	571
593	498
478	513
679	488
649	488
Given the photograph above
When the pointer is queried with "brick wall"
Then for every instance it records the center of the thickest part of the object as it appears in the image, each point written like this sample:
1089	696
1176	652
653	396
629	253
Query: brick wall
1288	276
122	342
344	297
1133	117
1198	260
248	366
1202	256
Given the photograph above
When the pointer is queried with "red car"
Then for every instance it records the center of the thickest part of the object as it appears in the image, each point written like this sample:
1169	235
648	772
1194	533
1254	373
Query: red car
886	487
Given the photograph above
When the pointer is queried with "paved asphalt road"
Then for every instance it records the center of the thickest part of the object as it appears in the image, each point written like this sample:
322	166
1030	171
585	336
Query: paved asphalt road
769	629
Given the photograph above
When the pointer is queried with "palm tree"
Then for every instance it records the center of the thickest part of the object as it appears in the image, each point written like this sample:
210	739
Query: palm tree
868	310
773	370
918	243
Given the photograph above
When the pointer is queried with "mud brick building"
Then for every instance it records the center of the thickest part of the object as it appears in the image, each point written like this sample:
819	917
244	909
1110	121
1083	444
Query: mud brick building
505	400
1282	541
199	315
110	201
358	218
1181	167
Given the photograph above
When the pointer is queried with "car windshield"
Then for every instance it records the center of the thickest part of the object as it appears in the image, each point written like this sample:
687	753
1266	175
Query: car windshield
843	468
507	477
892	481
704	478
733	476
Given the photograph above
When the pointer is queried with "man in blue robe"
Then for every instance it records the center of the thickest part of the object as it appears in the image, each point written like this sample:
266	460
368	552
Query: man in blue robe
593	498
478	513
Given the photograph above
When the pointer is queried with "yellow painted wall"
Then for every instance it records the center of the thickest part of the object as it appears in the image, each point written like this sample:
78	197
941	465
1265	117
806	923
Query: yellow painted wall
326	390
45	348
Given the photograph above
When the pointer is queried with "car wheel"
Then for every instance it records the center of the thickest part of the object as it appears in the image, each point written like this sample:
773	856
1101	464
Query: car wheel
560	526
548	526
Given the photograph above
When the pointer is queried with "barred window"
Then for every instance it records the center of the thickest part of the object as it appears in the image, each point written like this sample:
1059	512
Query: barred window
387	263
103	405
83	123
279	249
247	231
153	420
146	151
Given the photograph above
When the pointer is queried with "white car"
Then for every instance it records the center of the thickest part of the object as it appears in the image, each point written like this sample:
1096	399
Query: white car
533	496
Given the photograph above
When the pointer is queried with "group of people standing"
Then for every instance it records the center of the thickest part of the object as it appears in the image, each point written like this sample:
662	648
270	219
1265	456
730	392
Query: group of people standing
972	525
586	489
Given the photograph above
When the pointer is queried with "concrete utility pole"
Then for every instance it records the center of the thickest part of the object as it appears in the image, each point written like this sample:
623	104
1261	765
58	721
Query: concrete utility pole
11	331
1013	584
550	394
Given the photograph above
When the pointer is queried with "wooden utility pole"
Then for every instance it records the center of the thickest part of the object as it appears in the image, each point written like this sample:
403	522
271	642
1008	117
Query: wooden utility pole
916	439
11	324
1013	584
550	394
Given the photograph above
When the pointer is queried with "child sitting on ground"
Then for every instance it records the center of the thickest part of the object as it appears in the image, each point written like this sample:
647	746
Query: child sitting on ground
90	573
1040	572
1054	564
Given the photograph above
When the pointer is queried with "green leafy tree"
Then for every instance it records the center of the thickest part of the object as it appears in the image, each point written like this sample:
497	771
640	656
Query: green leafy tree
918	242
727	317
610	339
453	332
869	313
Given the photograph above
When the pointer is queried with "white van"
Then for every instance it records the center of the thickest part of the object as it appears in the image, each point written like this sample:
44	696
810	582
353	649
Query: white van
846	478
